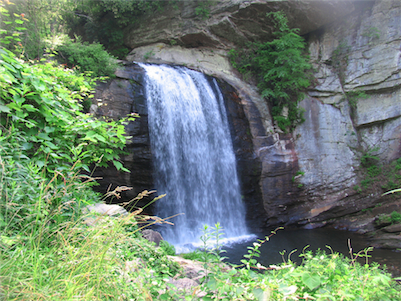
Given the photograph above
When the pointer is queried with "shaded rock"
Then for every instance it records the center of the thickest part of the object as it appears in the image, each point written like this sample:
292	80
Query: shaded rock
152	236
392	228
231	22
117	99
387	241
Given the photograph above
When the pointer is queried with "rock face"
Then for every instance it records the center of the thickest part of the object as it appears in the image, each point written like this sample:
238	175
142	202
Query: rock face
310	175
230	22
357	53
116	99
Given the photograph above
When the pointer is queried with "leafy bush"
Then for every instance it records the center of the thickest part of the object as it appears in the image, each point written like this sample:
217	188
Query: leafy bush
42	102
280	68
321	276
395	217
87	58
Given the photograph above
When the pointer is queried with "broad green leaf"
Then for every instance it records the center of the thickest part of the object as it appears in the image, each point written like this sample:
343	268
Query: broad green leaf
4	109
8	66
18	99
212	283
287	290
312	281
27	145
29	108
260	294
14	106
125	169
117	164
44	136
40	164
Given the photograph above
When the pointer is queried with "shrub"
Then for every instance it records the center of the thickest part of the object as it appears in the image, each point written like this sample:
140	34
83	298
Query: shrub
395	217
42	103
87	58
280	68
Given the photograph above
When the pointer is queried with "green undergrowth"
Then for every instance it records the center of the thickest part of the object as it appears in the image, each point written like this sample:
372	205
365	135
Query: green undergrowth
321	276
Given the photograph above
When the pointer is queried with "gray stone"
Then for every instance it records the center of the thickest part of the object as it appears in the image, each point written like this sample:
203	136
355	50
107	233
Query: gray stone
392	228
110	210
152	236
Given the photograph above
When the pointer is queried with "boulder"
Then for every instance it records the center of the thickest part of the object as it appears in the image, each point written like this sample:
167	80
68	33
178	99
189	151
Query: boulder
152	236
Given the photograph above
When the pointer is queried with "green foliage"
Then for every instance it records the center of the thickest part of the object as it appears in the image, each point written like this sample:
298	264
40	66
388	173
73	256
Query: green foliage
168	248
392	218
199	255
372	33
11	30
42	102
103	21
45	24
280	68
354	96
203	9
72	260
87	58
395	217
321	276
370	164
377	175
28	198
387	219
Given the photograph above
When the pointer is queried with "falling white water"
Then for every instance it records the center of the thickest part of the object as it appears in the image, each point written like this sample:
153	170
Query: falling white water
193	154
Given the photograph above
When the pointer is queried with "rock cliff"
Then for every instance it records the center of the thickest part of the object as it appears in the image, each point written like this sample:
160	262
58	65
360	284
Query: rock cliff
312	176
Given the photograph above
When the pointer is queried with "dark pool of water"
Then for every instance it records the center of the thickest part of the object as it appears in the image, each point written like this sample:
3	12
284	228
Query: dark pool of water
289	240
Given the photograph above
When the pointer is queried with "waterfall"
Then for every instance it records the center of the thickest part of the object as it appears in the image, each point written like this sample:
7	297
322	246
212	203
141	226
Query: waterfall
194	161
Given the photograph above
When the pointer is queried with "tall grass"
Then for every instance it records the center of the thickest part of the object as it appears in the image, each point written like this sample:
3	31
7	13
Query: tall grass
51	250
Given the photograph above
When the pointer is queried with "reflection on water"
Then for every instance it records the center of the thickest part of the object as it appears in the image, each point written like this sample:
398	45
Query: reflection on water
289	240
